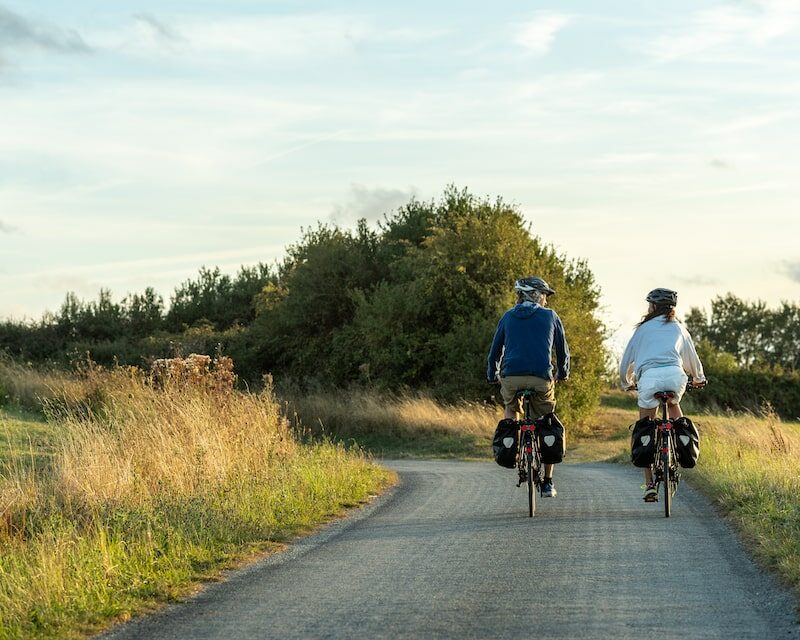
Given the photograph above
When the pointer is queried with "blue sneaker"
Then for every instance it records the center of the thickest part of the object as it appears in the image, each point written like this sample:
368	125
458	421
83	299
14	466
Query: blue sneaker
548	490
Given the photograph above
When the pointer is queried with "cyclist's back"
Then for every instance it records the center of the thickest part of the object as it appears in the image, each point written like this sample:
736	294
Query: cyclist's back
523	355
660	343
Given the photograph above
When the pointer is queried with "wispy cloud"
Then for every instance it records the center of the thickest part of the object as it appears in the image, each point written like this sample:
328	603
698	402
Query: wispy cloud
279	36
695	281
157	29
239	255
6	228
19	31
537	35
756	23
752	121
371	203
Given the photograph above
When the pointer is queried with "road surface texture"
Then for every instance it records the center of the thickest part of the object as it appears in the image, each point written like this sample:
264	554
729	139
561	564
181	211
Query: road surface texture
451	553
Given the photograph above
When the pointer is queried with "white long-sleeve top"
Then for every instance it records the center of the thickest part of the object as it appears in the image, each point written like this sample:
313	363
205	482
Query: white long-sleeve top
657	343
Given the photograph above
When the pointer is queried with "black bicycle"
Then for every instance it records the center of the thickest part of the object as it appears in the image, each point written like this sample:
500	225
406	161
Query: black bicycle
529	459
665	470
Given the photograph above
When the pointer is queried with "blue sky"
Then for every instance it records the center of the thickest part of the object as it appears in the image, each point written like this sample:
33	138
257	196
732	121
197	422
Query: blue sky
140	141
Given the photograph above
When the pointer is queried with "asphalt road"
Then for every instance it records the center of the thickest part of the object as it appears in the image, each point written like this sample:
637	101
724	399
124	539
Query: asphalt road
451	553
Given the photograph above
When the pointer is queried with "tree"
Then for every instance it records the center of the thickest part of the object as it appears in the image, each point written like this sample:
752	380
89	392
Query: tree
416	303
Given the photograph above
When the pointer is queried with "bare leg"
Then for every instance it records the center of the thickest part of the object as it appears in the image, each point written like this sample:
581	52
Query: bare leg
548	470
674	411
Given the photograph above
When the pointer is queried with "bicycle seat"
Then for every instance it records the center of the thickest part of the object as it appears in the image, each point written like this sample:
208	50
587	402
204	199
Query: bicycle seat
523	393
664	395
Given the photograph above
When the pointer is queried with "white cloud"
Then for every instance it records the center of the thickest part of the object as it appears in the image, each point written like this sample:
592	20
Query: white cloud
157	30
729	26
537	35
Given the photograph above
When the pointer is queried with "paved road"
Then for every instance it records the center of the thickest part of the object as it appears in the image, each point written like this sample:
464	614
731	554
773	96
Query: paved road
451	553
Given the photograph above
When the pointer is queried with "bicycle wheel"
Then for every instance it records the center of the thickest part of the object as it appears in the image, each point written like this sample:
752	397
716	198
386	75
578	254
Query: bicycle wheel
531	487
667	485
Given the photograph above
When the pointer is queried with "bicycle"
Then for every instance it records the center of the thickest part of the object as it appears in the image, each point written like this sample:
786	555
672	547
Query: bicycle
529	459
664	469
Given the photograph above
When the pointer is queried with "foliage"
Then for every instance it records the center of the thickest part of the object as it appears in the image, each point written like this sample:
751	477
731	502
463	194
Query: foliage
416	305
751	354
756	336
217	299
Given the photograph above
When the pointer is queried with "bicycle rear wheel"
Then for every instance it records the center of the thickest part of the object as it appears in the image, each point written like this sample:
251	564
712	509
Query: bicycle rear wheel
667	486
531	488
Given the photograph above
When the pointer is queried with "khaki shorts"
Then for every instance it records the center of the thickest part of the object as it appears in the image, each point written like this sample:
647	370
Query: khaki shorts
544	400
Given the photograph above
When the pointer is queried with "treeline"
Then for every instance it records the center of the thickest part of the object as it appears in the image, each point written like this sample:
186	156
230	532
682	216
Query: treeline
412	303
139	326
751	353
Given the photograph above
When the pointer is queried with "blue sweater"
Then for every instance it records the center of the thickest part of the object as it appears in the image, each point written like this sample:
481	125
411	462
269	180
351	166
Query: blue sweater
525	337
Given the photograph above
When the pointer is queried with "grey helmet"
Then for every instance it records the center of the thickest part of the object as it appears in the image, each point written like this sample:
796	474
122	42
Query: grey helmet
529	285
663	297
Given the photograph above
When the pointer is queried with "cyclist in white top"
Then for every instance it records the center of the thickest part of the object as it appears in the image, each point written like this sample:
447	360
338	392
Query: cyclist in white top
658	356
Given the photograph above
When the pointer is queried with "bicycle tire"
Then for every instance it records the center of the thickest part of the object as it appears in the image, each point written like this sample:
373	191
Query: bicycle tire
531	492
667	486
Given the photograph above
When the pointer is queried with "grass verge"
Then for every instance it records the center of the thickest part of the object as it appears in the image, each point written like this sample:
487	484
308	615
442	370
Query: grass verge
130	493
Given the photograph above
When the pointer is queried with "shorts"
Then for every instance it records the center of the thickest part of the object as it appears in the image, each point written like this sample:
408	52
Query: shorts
661	379
543	401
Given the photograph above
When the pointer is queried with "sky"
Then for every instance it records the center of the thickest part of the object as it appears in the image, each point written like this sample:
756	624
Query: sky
142	140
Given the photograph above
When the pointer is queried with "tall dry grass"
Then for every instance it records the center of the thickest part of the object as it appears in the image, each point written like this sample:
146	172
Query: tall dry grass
153	483
751	467
24	386
398	424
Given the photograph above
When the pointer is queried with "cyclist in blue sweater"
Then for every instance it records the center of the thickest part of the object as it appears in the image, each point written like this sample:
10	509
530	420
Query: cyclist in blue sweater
520	355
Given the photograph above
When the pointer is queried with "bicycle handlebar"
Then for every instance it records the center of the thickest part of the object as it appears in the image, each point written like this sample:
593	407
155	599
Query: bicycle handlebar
690	386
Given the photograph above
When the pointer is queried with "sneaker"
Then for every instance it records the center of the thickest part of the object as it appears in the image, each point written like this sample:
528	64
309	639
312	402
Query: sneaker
650	493
548	490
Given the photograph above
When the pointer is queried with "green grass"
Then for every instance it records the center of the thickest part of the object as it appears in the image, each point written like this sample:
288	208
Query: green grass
24	435
70	577
128	495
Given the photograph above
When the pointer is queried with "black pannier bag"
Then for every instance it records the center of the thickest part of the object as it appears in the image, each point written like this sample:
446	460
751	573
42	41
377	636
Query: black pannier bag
551	438
643	443
504	443
687	442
